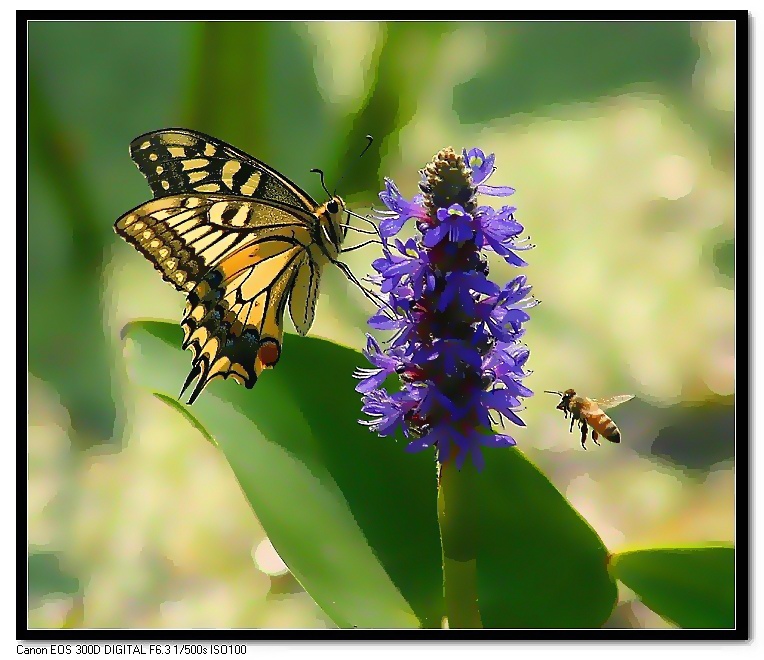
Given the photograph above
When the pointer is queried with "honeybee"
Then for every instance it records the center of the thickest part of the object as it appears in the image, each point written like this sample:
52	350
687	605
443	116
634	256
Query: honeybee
589	413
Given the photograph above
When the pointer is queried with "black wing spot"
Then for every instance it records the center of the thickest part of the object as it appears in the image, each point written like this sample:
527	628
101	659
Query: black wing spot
229	214
250	336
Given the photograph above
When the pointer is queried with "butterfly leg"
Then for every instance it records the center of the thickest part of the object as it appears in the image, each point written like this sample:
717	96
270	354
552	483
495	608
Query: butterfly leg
377	300
359	246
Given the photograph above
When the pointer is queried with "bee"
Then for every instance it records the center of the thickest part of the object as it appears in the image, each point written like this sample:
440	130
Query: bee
589	413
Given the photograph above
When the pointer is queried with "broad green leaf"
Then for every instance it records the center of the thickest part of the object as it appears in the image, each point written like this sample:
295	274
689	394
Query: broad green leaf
352	515
540	565
691	587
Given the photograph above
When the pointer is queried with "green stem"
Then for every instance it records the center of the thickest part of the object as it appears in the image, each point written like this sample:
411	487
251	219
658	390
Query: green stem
458	533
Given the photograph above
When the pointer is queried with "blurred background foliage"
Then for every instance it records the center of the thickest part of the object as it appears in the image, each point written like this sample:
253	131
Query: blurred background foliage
619	140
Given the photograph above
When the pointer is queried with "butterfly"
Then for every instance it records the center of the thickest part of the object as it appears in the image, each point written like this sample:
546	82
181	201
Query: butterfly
240	239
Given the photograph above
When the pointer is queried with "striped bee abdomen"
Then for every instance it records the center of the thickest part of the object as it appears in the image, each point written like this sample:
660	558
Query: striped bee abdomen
603	425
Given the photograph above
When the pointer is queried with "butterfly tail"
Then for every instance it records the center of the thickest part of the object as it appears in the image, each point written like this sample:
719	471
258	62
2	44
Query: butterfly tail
195	371
200	385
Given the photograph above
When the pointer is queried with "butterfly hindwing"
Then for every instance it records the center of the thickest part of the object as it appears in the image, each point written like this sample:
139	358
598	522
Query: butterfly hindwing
302	301
234	317
178	161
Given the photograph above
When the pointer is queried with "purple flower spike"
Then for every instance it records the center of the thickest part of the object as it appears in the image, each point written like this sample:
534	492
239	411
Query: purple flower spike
455	345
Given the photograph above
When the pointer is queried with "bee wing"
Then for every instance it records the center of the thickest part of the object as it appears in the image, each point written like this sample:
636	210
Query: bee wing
612	401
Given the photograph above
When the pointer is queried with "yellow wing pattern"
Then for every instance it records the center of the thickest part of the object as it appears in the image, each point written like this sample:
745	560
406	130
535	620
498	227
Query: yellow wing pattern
184	235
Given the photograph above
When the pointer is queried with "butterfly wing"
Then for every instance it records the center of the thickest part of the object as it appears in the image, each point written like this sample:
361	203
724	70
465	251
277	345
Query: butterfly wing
302	301
178	161
612	401
234	317
184	235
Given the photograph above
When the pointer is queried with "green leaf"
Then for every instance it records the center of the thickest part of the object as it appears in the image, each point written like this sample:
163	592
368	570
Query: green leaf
185	412
540	565
353	516
691	587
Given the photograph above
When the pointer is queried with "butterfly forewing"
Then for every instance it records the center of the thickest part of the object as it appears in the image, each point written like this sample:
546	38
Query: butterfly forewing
613	401
181	161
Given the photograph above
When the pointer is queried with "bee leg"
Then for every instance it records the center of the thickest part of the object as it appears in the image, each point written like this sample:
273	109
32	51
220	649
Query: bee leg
572	419
594	437
584	429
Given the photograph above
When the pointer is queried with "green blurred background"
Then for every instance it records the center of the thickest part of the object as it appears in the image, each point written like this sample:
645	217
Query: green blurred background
619	140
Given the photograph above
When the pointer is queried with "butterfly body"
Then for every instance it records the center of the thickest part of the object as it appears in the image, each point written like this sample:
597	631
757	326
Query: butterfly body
239	239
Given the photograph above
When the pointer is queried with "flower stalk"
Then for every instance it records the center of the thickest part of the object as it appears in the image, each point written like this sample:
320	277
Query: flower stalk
459	539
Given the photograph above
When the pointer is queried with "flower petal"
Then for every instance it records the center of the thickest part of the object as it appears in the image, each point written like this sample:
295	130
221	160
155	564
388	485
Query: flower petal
496	191
497	440
391	226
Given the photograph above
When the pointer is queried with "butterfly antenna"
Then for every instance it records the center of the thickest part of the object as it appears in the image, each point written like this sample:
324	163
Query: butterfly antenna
323	185
365	149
